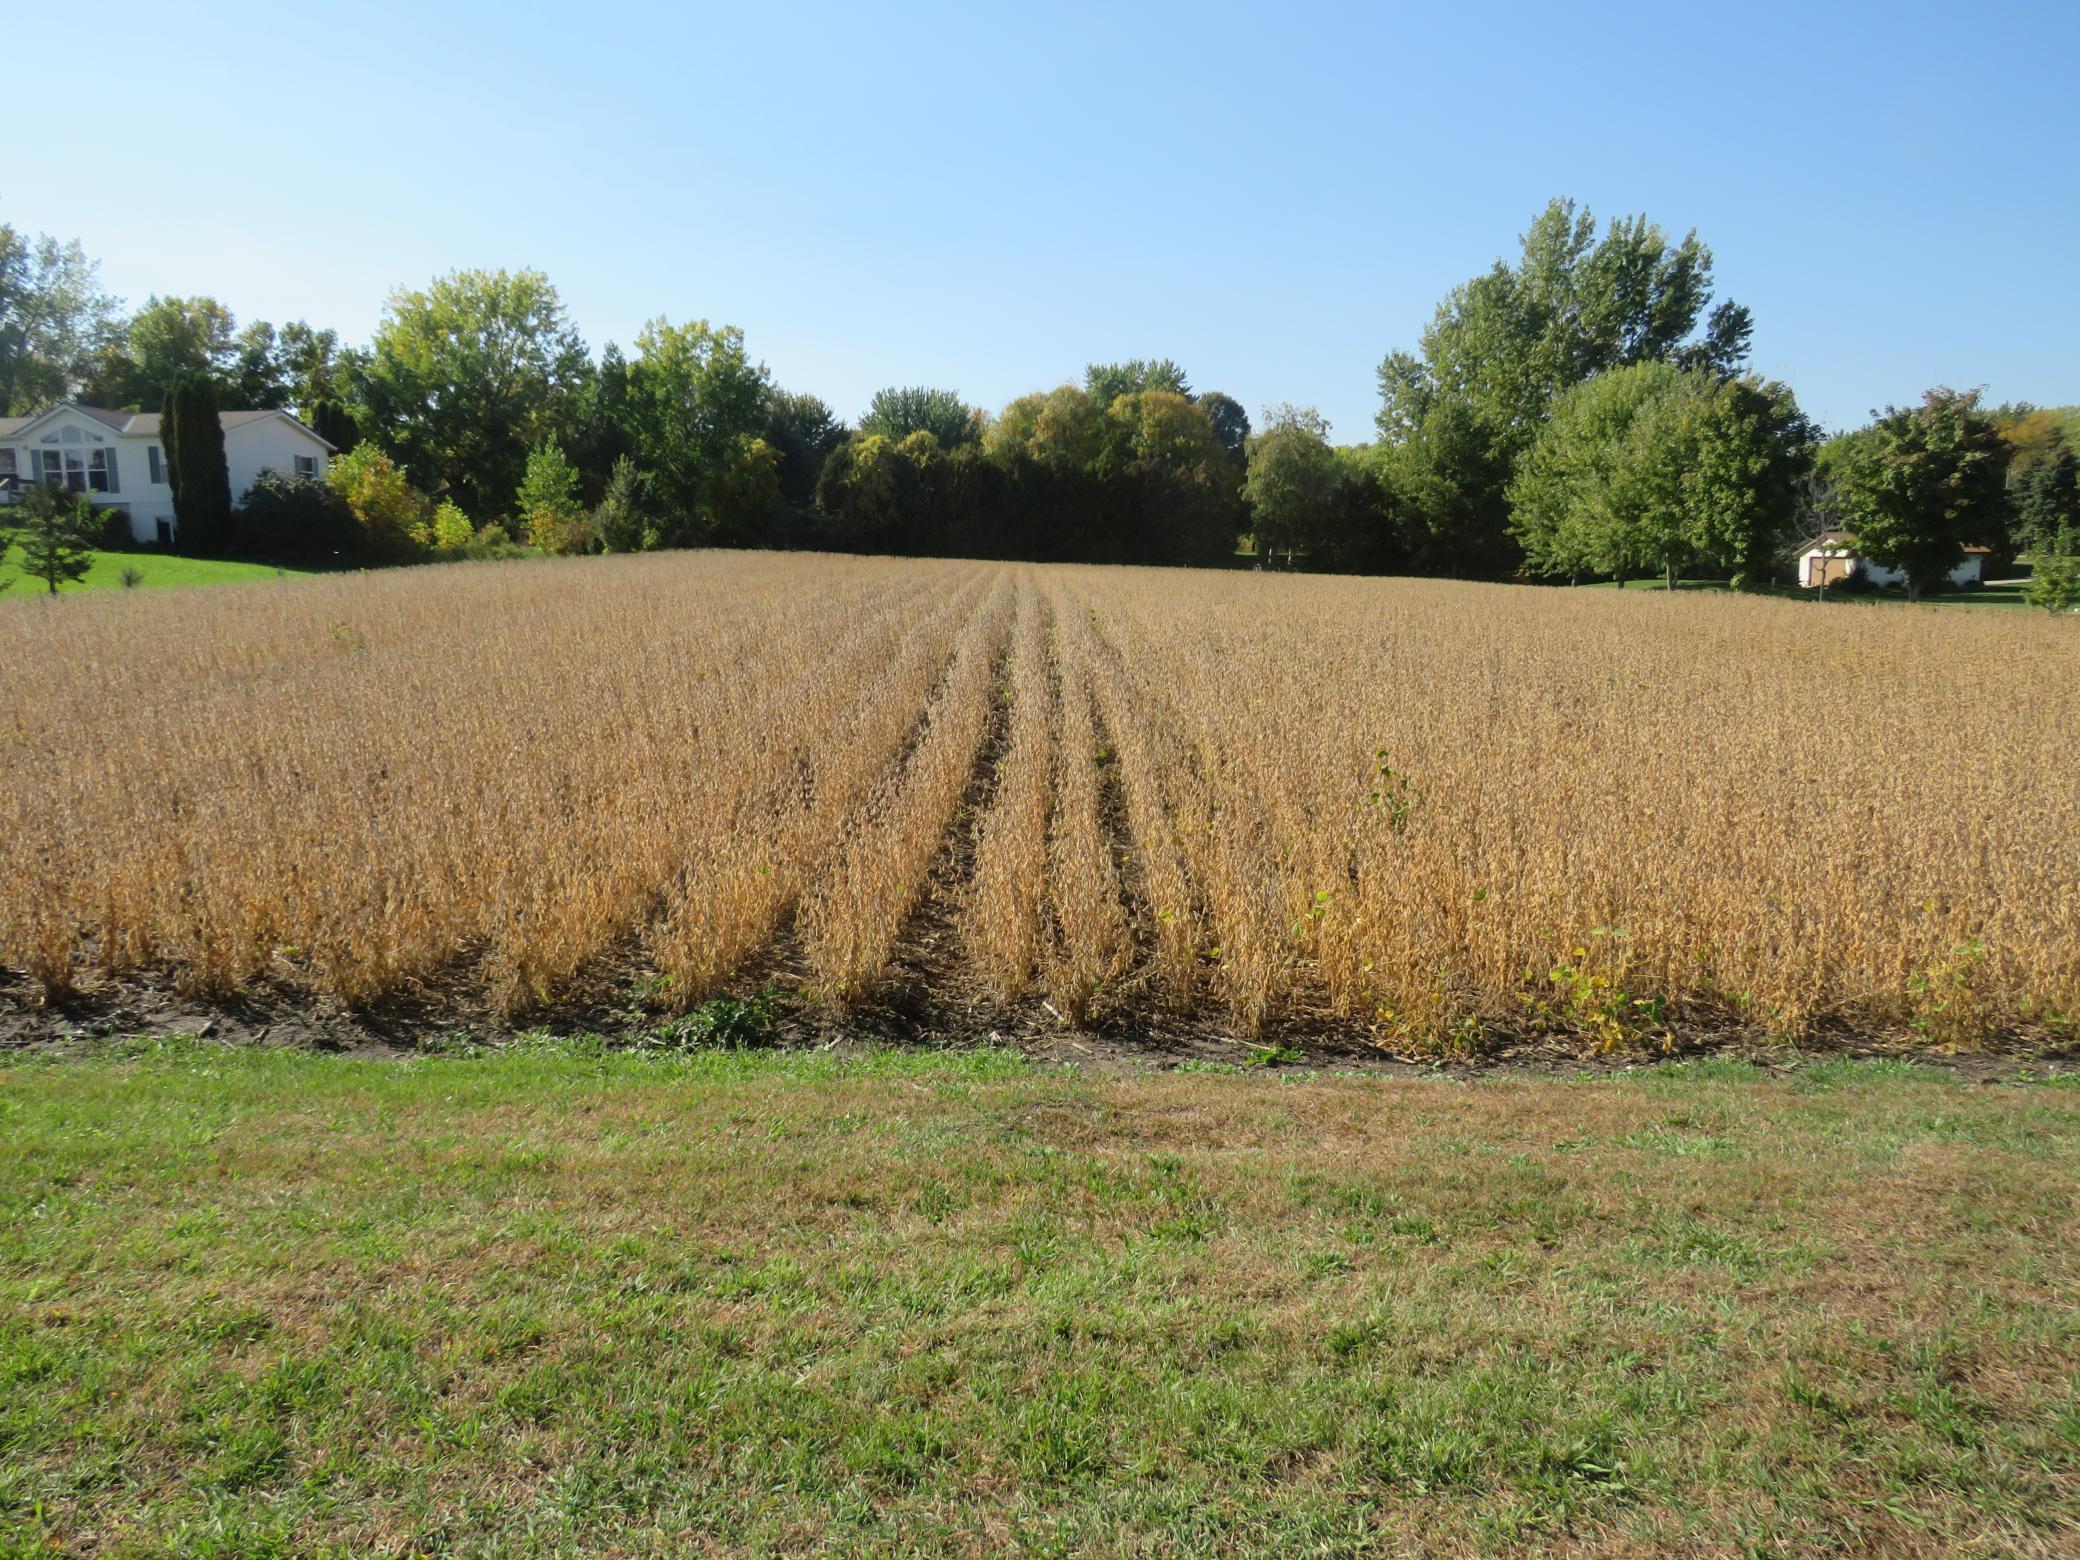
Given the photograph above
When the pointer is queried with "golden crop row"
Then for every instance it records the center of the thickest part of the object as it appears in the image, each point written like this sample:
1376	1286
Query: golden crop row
1421	809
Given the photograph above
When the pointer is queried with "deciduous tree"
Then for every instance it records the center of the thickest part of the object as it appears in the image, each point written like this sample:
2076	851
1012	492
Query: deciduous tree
803	431
695	403
1292	481
2046	500
898	412
1230	424
169	339
1107	382
548	502
1504	344
469	374
375	488
56	320
1927	482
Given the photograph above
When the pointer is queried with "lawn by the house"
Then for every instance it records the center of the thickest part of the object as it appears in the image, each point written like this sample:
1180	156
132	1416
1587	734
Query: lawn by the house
157	568
558	1302
1998	593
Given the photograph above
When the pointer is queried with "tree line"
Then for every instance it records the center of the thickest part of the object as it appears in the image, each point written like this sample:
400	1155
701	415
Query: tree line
1586	410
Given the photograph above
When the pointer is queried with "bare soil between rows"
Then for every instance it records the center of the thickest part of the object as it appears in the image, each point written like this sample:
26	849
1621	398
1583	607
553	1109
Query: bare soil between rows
912	1013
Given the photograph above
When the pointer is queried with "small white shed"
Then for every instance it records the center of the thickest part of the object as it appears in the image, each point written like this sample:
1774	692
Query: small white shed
1833	558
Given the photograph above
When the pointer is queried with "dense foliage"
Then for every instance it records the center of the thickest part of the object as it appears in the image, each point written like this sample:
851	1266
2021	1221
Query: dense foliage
1582	410
1922	484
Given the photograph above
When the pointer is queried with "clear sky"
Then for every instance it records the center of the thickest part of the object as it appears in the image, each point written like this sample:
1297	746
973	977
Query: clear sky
987	198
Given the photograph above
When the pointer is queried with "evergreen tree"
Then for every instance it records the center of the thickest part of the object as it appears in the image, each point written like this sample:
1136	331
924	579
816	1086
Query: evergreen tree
619	523
331	421
192	433
56	533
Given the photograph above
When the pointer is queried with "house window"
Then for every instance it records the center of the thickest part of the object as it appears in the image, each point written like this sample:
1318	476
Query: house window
307	467
7	468
152	459
86	471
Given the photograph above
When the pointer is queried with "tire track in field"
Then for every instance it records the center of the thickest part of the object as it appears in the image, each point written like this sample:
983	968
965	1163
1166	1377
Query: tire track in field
850	924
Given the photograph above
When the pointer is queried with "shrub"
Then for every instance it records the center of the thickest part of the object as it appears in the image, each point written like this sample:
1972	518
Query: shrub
115	535
381	500
2054	583
451	529
289	517
132	577
493	541
549	503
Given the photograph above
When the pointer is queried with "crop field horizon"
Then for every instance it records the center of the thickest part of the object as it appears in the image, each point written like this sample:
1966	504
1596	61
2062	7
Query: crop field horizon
1426	813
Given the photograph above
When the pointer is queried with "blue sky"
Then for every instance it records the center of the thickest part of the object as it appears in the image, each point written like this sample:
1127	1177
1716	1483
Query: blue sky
988	198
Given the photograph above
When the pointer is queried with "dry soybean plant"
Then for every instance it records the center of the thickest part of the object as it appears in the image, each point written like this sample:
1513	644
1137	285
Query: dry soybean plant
1426	811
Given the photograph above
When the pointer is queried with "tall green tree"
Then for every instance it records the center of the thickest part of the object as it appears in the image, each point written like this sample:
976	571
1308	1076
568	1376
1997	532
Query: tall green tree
803	431
1292	482
191	431
296	366
57	534
1506	343
1922	484
56	320
897	412
1752	450
602	433
1064	426
1107	382
1654	466
167	340
2046	500
467	375
696	403
1598	491
1230	424
1181	494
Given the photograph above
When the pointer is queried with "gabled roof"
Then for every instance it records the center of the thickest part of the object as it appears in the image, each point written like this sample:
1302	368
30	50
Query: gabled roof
142	425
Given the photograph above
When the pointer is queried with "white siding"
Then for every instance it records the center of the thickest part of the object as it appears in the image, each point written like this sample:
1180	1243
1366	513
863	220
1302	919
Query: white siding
269	444
263	444
133	488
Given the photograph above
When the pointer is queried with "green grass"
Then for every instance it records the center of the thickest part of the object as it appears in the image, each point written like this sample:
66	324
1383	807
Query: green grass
2000	595
158	568
555	1301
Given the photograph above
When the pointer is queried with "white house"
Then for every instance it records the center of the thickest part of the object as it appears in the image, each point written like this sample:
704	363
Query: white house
115	458
1830	559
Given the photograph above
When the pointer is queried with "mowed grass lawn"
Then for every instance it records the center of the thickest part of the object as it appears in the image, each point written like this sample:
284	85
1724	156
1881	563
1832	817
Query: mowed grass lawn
2001	593
157	569
554	1302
